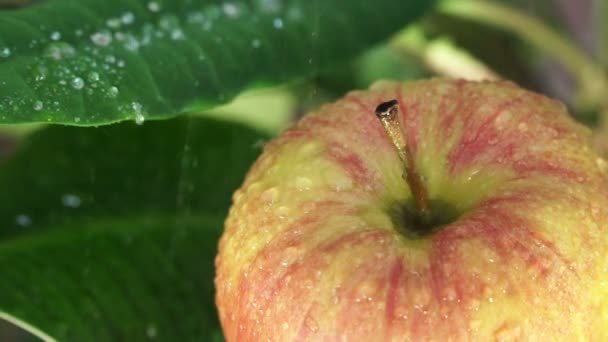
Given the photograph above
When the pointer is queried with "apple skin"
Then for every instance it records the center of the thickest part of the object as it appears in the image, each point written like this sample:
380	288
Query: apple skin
311	250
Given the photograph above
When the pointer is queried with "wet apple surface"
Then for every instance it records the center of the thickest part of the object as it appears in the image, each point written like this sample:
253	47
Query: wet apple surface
323	241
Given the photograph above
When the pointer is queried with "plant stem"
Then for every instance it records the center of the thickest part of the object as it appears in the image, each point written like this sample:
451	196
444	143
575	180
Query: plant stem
388	113
589	75
441	55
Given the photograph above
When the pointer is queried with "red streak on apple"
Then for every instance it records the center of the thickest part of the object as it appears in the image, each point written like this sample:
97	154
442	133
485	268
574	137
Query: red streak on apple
316	246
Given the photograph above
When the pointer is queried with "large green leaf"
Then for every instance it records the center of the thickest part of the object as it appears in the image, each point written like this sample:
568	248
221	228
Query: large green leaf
91	62
109	234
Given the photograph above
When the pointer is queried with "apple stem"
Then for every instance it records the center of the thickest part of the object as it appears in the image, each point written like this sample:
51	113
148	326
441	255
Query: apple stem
388	113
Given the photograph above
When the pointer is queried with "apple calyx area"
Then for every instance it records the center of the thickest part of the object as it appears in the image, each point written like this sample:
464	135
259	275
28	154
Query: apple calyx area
427	215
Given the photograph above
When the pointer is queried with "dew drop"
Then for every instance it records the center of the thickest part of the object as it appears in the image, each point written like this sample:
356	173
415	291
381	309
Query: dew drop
177	34
131	43
270	195
303	183
110	59
101	38
70	201
139	115
38	105
77	83
153	6
168	22
522	127
127	18
277	23
55	35
59	50
93	76
137	107
77	119
256	43
40	73
311	324
231	9
113	91
5	52
113	23
23	220
269	6
295	14
120	63
139	119
151	331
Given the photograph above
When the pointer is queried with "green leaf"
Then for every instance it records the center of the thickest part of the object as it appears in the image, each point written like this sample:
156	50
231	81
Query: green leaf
90	62
109	234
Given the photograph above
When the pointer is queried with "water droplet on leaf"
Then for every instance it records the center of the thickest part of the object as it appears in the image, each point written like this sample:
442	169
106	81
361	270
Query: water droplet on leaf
5	52
231	10
102	38
59	50
277	23
23	220
127	18
153	6
113	91
70	200
151	331
55	35
38	105
77	83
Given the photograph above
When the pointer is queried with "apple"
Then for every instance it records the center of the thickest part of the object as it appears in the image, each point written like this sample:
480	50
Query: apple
458	211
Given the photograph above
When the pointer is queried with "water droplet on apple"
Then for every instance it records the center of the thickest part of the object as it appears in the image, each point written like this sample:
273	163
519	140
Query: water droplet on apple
474	304
601	164
503	118
311	324
595	213
473	174
522	127
270	195
450	294
474	325
282	212
507	332
303	183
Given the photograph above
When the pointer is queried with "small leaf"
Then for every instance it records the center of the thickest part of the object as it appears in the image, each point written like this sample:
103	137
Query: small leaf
89	62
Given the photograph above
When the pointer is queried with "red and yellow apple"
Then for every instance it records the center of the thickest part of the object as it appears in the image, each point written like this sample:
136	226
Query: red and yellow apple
324	241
